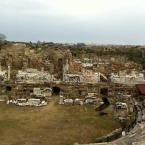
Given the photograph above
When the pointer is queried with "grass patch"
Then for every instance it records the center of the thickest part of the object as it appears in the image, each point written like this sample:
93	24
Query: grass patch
8	123
53	124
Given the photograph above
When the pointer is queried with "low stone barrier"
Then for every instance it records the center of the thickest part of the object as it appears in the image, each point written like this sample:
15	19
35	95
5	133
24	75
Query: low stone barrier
110	137
136	131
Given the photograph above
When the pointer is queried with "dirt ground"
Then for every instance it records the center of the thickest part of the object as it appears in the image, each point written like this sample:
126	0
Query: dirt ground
53	124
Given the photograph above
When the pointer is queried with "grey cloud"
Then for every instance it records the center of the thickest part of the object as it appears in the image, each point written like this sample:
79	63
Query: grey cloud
119	26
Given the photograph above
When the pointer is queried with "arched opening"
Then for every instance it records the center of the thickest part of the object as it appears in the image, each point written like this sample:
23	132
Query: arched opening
55	90
106	103
104	94
8	88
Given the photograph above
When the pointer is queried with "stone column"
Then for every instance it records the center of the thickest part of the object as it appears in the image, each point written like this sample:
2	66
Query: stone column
9	73
0	67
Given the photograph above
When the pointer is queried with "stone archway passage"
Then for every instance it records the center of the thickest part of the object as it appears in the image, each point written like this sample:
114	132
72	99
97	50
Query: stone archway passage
8	88
56	90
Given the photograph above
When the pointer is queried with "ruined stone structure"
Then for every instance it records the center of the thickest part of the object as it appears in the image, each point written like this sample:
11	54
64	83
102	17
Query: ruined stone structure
35	69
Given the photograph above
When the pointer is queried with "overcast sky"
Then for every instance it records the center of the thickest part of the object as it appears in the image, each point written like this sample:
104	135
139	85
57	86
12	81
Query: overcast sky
89	21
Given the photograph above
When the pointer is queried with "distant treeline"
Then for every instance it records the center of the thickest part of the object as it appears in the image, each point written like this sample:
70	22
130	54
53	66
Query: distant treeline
133	53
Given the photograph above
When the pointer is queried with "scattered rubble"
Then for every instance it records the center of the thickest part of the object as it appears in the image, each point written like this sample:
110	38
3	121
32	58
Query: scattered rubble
89	99
28	102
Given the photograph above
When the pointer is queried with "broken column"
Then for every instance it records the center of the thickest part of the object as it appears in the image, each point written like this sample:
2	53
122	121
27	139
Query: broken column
52	71
61	100
42	69
9	73
0	67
